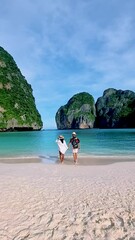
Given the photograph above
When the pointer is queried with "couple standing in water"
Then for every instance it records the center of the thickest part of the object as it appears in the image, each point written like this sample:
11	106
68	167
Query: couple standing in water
74	141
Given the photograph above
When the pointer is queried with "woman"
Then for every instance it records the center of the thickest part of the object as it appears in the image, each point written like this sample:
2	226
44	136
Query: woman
62	147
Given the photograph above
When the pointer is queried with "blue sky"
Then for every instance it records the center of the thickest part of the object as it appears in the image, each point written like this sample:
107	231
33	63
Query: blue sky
63	47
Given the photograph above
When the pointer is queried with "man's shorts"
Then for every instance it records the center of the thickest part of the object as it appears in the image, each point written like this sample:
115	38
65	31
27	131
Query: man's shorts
75	150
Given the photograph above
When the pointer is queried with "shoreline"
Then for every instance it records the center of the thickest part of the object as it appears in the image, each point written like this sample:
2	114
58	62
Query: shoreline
82	160
99	160
19	160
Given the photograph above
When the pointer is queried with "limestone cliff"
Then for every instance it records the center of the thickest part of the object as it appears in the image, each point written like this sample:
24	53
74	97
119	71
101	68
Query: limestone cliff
116	109
17	104
78	113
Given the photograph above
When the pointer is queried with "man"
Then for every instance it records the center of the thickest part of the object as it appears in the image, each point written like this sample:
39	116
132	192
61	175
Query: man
75	145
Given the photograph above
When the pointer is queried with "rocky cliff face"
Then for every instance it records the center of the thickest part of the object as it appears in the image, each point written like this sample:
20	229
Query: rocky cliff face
17	104
79	112
116	109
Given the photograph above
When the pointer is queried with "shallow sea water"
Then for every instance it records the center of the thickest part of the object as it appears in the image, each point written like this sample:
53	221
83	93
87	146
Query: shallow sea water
98	142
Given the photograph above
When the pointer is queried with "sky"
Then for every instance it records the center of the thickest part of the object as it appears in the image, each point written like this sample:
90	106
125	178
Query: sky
64	47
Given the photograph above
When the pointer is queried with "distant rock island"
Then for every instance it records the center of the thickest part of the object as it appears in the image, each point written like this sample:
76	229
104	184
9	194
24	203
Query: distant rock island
115	109
17	104
79	112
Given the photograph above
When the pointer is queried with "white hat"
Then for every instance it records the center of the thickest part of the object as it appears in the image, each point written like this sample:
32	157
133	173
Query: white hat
73	133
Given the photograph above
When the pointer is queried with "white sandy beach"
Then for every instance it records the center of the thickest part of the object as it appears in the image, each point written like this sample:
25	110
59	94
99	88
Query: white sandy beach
56	202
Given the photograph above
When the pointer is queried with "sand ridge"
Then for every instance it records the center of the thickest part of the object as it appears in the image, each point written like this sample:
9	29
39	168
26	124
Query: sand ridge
55	202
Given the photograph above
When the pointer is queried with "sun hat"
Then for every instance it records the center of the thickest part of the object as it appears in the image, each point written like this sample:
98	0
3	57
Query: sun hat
61	137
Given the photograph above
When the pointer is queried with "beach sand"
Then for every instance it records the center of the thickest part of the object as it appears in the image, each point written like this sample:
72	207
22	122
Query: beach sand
65	201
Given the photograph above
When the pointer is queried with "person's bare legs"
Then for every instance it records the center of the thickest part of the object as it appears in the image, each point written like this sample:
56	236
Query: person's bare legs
75	157
61	157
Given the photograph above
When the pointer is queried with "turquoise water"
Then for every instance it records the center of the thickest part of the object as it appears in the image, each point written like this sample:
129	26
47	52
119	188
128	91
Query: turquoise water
112	142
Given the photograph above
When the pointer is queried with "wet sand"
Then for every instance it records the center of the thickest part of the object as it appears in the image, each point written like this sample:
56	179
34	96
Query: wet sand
98	160
66	201
21	160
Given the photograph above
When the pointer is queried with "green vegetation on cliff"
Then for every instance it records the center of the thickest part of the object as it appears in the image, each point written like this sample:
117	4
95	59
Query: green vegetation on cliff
17	104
